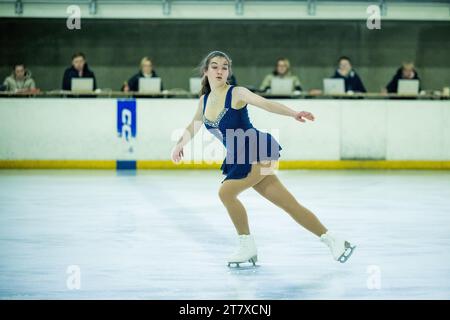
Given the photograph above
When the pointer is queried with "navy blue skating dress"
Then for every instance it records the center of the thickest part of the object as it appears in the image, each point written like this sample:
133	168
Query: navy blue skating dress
244	143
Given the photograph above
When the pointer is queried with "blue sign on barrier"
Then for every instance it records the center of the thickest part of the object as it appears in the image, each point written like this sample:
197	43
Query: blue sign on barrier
127	129
126	119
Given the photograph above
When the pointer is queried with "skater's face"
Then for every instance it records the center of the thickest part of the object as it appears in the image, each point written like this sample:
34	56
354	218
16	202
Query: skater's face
218	71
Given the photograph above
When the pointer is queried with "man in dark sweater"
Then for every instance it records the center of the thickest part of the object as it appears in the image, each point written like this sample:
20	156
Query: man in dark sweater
405	72
78	69
345	71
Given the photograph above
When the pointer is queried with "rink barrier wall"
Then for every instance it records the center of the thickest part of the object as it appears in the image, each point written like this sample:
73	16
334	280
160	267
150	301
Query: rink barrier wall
109	133
169	165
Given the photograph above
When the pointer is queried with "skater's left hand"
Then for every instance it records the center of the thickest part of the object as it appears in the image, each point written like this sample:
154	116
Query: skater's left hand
302	115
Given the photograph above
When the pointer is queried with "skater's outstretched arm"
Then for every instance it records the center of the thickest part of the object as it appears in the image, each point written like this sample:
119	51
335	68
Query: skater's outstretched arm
246	96
189	132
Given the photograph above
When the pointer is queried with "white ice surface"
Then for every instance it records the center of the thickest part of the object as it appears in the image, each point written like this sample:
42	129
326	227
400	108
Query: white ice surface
166	235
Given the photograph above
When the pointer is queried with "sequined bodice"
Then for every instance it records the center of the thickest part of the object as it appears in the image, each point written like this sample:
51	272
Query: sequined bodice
217	121
242	150
228	118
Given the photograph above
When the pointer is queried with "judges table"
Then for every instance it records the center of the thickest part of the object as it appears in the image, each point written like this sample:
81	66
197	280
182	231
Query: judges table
115	129
181	93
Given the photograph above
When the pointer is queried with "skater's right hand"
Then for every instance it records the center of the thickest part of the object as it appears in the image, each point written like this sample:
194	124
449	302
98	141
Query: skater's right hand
302	115
177	153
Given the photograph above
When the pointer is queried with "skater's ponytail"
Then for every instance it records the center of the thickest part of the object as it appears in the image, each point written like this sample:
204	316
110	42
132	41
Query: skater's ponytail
206	88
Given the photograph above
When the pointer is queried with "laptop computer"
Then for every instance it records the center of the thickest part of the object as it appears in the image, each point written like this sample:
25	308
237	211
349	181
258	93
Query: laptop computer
281	86
149	85
195	84
408	86
82	84
333	86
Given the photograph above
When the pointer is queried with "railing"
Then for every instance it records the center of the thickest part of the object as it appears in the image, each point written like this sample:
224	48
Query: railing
438	10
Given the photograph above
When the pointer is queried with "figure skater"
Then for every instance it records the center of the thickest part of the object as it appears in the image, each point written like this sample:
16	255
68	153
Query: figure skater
222	108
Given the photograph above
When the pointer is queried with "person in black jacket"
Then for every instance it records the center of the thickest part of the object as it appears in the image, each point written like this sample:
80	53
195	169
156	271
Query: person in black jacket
79	69
232	80
146	71
405	72
345	71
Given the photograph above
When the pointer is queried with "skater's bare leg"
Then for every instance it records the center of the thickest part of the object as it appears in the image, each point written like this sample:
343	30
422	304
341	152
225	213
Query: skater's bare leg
272	189
229	191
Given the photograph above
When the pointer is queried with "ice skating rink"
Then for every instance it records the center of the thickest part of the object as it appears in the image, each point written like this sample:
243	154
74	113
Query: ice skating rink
166	235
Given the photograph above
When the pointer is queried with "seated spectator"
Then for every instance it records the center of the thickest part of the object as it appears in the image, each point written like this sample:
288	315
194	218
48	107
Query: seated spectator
405	72
146	71
79	69
283	71
345	71
20	80
232	80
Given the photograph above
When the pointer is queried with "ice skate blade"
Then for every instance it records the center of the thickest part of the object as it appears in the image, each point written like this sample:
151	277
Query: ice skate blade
237	263
347	253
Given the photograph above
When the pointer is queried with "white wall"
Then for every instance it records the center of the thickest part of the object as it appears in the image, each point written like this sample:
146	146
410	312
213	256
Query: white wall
72	129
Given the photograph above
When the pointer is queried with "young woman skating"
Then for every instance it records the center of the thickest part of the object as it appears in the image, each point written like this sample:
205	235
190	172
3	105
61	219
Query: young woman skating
251	156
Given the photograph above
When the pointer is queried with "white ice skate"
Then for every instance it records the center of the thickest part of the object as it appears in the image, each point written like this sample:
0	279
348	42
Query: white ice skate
246	251
340	249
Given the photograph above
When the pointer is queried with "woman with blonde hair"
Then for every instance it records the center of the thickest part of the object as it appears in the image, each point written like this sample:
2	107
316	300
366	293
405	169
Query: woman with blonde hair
251	156
146	70
282	70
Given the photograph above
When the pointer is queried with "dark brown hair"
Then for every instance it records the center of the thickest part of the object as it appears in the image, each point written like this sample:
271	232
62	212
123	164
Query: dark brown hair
344	58
204	66
18	64
78	54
